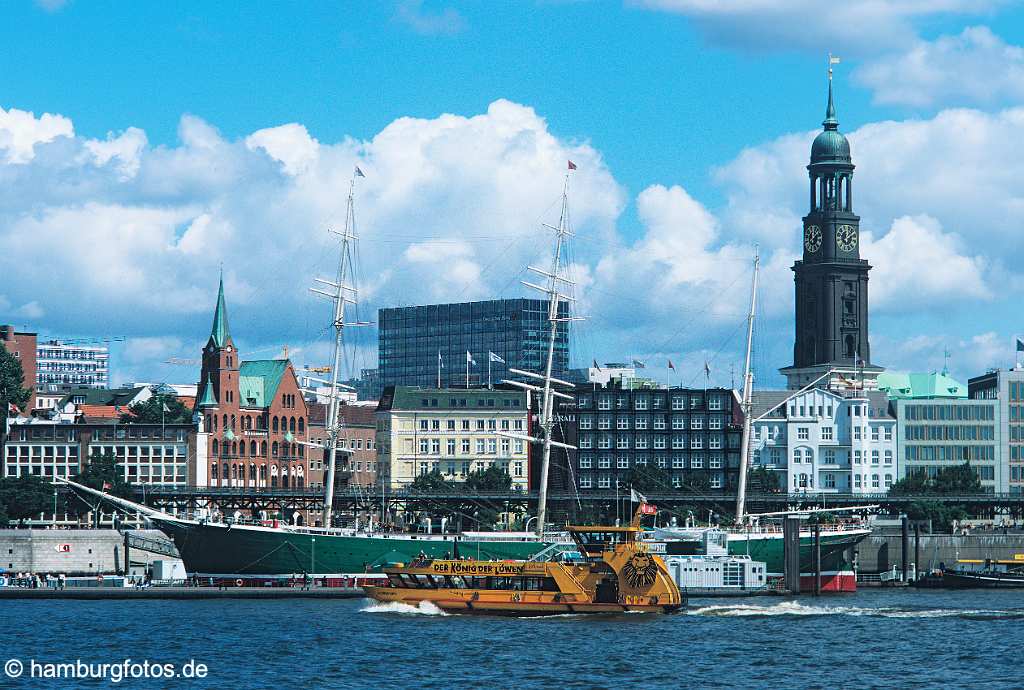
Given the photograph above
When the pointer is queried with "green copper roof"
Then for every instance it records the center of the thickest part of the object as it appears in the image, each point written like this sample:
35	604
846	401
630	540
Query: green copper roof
258	381
208	399
229	435
920	386
288	437
220	334
830	146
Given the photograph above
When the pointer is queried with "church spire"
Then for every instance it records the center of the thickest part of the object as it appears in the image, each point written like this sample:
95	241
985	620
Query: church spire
831	121
208	399
220	334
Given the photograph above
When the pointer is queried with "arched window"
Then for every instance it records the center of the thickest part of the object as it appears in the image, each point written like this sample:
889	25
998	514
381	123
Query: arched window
213	422
263	473
213	471
225	475
234	471
273	449
273	475
215	446
302	425
851	346
274	423
263	449
252	448
225	425
252	472
302	452
232	421
291	425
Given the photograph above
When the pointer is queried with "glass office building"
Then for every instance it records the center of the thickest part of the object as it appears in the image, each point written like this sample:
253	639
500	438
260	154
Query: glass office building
516	330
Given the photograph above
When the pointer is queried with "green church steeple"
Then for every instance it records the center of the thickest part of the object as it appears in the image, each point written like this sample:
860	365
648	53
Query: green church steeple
208	399
220	334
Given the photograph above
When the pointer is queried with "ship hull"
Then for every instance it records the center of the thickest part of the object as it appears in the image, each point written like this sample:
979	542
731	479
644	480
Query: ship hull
837	574
244	550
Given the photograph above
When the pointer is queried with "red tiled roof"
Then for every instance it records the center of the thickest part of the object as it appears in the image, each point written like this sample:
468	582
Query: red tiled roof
102	411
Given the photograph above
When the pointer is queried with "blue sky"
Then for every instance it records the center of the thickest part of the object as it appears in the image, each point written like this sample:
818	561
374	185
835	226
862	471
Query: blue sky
692	121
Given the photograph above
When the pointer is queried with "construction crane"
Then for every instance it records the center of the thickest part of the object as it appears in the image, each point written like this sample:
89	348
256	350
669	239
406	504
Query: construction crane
183	362
103	339
317	370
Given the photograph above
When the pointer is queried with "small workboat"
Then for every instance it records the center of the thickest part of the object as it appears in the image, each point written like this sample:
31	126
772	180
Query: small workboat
612	572
978	574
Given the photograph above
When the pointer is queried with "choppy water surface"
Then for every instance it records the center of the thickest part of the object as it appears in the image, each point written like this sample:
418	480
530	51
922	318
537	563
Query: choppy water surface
873	638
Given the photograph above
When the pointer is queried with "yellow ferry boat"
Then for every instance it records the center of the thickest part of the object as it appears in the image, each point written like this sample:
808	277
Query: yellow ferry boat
615	573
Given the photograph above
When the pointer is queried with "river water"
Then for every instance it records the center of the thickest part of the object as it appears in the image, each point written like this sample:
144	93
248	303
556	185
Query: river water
891	638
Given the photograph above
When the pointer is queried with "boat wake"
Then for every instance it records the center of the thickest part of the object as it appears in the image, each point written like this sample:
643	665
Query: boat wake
426	608
793	608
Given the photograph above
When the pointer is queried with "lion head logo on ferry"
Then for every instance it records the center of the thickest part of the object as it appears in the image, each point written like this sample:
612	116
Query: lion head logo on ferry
640	571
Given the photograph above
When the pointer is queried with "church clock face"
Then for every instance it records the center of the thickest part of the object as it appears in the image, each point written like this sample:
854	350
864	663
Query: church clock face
846	237
812	238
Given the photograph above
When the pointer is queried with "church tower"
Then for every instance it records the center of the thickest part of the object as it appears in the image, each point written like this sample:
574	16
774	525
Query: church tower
218	382
831	278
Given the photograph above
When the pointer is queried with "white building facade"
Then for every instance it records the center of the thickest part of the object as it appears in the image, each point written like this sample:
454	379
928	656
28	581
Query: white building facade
823	441
451	431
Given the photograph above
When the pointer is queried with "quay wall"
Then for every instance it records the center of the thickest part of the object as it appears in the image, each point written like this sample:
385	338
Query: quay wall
81	551
878	553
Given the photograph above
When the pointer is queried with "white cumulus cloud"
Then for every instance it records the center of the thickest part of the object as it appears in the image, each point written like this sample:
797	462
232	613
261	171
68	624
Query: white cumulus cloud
975	67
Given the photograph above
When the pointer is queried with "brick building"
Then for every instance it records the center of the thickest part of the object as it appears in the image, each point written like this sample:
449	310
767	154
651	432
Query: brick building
357	456
23	346
252	416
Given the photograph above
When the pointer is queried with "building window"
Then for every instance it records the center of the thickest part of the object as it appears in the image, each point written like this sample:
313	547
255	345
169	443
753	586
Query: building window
586	422
424	425
888	457
715	403
802	433
451	446
678	402
857	433
715	422
830	456
697	423
888	433
874	433
856	457
659	422
678	462
874	481
604	482
604	462
642	403
424	445
586	462
622	462
826	433
622	423
604	402
874	457
828	480
715	462
585	481
697	461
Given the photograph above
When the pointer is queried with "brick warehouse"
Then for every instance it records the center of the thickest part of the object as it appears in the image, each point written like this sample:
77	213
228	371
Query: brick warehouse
252	415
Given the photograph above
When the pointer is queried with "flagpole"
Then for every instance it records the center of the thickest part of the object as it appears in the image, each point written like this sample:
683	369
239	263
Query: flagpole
488	371
439	369
467	369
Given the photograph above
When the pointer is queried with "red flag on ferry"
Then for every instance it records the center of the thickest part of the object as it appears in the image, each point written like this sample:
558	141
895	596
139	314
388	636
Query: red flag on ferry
648	509
107	486
572	166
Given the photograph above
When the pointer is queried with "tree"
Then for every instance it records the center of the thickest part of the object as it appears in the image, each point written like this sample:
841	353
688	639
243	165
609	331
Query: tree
948	481
103	474
152	411
11	379
431	482
24	497
762	480
493	479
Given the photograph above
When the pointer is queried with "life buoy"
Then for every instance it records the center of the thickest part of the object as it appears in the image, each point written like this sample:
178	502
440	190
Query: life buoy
238	582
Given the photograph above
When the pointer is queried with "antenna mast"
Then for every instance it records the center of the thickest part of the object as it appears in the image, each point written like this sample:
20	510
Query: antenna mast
342	291
746	405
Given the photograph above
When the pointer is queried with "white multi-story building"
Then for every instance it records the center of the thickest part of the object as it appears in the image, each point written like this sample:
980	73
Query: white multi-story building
66	363
822	441
453	431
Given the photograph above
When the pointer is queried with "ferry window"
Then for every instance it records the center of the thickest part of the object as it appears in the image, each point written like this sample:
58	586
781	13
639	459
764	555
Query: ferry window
395	580
423	581
458	582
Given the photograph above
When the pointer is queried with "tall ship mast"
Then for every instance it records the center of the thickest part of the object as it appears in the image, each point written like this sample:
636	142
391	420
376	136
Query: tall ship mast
341	291
545	384
746	404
